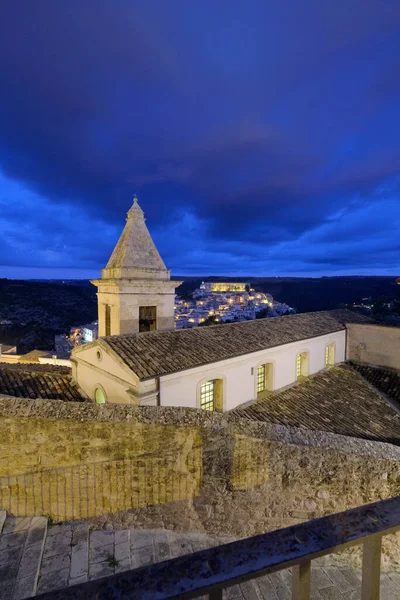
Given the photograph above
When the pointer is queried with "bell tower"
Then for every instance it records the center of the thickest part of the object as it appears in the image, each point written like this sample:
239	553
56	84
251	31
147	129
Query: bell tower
135	292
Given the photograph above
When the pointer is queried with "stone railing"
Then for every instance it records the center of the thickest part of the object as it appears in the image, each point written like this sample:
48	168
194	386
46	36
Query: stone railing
213	570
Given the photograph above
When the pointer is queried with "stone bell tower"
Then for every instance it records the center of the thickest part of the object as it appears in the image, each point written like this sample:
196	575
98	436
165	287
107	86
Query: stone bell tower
135	292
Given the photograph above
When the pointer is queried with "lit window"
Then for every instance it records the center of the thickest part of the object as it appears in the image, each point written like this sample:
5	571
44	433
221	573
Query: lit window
302	365
329	355
298	366
261	379
207	395
99	396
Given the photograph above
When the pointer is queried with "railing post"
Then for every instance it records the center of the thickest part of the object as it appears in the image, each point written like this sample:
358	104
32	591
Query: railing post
301	579
371	567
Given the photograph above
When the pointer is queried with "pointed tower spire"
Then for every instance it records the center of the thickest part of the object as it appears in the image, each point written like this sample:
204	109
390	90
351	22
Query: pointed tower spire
135	292
135	211
135	249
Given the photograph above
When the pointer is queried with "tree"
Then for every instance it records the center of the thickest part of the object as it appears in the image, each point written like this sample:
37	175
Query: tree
211	320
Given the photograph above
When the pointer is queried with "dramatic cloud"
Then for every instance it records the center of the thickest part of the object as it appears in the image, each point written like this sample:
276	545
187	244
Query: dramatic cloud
261	137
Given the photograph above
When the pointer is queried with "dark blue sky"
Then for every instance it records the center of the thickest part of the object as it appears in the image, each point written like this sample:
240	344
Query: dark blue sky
262	137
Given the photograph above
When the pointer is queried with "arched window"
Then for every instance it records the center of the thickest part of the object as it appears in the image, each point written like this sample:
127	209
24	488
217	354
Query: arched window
264	378
99	395
329	355
211	395
302	365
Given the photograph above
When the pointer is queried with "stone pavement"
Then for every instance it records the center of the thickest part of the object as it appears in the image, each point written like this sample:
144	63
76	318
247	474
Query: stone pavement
37	557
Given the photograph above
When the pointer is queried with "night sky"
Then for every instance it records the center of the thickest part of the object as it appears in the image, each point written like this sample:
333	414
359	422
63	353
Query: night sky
261	137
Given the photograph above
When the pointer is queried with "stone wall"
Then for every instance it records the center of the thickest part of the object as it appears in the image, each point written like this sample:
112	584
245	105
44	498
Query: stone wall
374	344
183	469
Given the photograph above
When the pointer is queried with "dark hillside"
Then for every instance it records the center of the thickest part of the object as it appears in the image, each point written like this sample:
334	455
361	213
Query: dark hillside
39	310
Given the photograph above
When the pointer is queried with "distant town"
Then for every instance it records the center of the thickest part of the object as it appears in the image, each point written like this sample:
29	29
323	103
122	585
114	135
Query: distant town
52	317
226	302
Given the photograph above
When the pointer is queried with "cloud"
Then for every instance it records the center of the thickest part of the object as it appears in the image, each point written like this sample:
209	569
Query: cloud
258	123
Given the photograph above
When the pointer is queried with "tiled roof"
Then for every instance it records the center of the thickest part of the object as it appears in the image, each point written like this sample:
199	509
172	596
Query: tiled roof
162	352
34	355
30	381
37	367
338	401
386	381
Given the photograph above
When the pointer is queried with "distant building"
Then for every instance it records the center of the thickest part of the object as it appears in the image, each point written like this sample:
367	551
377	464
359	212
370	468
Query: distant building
6	349
8	353
90	332
226	306
224	286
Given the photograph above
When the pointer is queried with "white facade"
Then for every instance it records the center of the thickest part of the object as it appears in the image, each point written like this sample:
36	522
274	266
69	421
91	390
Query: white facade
239	374
95	366
59	362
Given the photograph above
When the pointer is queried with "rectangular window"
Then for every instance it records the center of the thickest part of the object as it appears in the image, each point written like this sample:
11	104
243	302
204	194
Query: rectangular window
108	319
207	395
329	355
298	366
147	318
261	379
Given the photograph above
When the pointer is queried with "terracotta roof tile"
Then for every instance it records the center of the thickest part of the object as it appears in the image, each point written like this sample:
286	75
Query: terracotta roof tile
386	381
338	401
29	381
162	352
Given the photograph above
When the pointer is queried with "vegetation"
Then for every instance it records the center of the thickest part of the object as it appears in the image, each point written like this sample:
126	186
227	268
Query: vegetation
31	312
50	520
112	561
212	320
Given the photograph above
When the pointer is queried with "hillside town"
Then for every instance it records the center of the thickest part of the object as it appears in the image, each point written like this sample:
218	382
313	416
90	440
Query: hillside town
226	302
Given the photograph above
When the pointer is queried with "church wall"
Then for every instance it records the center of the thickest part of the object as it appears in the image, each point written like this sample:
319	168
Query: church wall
112	300
130	303
181	389
127	466
124	302
374	344
114	379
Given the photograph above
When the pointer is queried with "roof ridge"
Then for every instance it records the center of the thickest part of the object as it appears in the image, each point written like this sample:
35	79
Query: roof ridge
157	353
237	323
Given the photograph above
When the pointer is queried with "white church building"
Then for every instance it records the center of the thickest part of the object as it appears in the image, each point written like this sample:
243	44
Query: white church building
141	359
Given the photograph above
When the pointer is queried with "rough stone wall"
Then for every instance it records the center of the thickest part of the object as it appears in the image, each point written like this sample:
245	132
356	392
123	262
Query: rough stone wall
374	344
183	469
